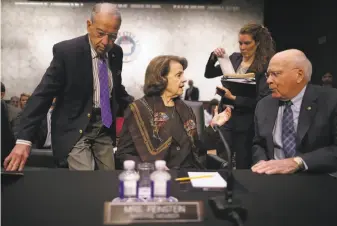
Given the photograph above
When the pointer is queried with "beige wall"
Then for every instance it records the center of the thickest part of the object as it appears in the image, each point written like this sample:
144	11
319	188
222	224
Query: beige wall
29	32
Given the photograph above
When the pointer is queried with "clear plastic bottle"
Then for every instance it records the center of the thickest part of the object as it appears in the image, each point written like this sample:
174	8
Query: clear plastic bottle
160	183
128	183
144	185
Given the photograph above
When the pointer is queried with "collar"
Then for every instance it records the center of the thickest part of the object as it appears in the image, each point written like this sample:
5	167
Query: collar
297	100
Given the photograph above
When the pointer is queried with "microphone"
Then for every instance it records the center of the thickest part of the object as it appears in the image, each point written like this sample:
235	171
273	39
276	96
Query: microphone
225	207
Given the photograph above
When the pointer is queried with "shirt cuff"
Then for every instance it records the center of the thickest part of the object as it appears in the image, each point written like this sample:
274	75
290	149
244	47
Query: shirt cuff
26	142
304	164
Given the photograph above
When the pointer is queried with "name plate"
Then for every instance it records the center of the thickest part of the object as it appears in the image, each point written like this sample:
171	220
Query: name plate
129	213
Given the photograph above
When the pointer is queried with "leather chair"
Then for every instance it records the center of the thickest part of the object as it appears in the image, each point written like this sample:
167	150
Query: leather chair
211	161
41	158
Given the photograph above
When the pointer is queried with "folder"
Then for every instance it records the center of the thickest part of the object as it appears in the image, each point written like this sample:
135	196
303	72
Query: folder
240	85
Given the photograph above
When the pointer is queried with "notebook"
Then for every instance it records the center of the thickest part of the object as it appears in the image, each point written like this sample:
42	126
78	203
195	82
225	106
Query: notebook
216	181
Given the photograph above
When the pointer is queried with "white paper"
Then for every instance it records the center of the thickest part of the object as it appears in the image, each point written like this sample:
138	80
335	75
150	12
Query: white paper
216	181
242	80
226	65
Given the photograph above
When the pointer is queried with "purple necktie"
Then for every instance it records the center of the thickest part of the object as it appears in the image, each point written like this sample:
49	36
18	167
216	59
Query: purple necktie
104	93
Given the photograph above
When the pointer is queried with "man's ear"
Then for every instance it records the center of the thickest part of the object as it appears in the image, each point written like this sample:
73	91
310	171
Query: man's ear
300	76
89	24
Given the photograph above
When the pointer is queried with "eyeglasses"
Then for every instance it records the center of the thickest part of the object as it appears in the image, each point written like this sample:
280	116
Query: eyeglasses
101	34
274	74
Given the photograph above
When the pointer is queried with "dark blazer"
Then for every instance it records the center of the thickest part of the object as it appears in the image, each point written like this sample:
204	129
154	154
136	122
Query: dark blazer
243	115
194	94
7	136
316	132
69	78
40	136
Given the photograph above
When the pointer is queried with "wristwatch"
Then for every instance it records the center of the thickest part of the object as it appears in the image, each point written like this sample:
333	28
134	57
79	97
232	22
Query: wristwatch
299	162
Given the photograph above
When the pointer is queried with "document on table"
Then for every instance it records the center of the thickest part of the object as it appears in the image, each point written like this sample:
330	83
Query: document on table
226	65
216	181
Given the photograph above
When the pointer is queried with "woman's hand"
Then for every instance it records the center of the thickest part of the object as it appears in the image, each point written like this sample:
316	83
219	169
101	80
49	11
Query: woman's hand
219	52
222	118
228	93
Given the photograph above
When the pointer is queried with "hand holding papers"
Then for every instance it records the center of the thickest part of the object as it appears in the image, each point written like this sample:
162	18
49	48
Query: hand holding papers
237	84
228	70
219	52
226	65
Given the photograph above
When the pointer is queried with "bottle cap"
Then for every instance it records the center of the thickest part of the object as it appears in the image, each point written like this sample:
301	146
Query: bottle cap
129	164
160	164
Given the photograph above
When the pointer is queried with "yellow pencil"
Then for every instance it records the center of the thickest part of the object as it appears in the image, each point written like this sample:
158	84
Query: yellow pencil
196	177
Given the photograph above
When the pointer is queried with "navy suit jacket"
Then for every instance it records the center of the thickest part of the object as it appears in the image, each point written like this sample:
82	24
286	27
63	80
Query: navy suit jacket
316	140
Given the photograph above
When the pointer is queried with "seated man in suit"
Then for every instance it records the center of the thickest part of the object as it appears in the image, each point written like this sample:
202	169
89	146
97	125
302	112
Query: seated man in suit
295	126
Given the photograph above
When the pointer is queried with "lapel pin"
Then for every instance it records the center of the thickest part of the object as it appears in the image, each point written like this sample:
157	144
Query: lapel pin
309	108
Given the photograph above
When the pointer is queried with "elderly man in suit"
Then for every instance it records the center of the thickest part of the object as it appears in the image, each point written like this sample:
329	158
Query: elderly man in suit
296	126
85	77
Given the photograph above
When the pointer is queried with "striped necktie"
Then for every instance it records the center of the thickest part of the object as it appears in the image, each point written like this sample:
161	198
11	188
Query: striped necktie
288	131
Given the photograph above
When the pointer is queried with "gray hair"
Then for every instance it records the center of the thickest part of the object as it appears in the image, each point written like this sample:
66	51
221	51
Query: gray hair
108	8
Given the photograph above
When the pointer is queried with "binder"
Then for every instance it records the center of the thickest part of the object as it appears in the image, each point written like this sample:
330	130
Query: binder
240	85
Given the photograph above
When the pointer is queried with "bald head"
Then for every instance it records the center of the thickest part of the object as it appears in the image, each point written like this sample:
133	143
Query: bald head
296	59
289	72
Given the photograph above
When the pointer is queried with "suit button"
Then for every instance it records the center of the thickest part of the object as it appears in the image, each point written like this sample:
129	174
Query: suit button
81	131
89	115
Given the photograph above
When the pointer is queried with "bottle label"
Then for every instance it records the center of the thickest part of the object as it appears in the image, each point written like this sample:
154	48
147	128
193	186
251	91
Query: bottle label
144	192
160	188
130	188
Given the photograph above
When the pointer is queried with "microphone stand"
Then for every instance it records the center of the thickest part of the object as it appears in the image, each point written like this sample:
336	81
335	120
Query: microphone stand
225	207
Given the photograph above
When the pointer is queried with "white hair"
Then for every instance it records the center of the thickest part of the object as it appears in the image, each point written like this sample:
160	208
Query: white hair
297	59
108	8
302	61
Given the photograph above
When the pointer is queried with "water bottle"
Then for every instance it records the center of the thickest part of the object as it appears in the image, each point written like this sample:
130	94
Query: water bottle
128	183
160	183
144	185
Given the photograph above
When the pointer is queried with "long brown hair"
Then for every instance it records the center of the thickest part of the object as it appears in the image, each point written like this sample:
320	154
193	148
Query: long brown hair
265	45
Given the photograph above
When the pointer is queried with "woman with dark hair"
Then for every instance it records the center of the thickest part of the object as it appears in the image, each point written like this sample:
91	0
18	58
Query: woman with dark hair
256	49
160	126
